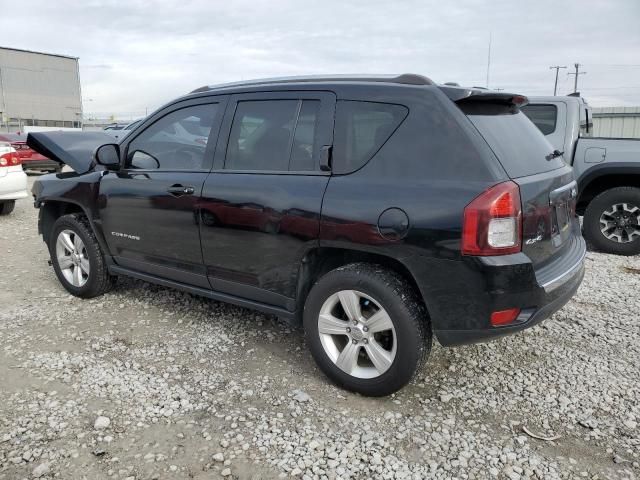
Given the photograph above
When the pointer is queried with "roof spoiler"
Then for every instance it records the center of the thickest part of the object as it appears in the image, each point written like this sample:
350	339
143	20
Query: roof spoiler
465	95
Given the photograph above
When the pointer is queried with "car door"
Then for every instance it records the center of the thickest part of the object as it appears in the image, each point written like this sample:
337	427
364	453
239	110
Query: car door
148	208
260	206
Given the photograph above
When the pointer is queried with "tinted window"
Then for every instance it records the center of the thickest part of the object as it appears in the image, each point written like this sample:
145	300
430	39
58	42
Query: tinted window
169	145
518	144
543	116
304	137
361	129
273	135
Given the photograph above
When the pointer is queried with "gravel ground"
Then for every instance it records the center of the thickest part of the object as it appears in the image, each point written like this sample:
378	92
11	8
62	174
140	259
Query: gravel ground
149	383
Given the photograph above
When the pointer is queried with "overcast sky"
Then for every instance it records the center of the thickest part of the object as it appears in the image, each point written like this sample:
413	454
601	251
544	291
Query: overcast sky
136	55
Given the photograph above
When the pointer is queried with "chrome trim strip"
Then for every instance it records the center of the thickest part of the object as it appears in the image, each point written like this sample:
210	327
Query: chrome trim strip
557	281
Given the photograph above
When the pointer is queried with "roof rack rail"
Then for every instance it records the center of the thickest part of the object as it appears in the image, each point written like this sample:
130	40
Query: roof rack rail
405	79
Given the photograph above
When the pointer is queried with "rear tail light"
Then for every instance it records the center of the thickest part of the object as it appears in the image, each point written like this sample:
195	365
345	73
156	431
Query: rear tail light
504	317
9	159
492	222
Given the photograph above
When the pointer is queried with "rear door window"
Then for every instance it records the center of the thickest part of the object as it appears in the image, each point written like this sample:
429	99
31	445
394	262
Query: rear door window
274	135
519	145
543	116
361	130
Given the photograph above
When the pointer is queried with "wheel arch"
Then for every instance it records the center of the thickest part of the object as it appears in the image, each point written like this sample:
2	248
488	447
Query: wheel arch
604	177
321	260
51	210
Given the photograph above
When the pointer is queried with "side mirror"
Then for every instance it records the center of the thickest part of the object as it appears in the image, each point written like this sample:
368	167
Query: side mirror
144	161
108	155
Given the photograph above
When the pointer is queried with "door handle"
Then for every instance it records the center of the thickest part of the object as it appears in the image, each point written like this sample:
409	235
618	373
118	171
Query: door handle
179	190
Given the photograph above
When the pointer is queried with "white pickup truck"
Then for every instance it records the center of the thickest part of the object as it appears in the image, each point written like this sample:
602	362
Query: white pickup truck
607	171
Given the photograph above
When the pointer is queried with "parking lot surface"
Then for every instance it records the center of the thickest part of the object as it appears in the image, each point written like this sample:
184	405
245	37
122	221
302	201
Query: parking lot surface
150	383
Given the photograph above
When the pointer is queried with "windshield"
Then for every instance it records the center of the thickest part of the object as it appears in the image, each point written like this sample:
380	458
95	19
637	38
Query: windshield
519	145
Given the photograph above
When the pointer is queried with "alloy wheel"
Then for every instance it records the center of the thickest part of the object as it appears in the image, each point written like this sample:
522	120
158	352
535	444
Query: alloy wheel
357	334
72	257
621	222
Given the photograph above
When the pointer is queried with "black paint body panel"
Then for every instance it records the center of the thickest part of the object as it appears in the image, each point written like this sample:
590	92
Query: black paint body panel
244	236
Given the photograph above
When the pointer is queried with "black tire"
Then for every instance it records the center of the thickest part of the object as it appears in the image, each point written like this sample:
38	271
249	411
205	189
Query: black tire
99	281
7	206
407	313
595	209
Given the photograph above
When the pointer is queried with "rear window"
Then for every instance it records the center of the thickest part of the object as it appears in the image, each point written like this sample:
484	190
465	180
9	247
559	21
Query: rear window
543	116
519	145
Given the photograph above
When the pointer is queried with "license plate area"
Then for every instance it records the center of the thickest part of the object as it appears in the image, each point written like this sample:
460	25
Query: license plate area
562	201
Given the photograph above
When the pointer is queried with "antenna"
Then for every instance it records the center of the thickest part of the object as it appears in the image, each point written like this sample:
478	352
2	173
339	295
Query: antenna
489	60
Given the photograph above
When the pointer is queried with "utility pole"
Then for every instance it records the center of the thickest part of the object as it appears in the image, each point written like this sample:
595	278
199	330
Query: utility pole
576	73
555	85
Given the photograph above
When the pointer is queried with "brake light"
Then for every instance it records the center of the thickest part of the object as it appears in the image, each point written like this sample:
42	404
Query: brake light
504	317
492	222
9	159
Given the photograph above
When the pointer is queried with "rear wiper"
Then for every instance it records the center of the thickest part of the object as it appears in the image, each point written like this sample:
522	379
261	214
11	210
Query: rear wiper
554	154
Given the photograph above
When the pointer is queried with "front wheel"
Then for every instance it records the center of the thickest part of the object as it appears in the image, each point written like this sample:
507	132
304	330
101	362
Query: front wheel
77	258
612	221
367	329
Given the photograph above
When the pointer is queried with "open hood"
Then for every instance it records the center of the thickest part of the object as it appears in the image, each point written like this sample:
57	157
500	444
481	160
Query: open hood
75	149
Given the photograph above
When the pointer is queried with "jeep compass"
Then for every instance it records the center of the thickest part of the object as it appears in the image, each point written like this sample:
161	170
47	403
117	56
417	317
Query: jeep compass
378	212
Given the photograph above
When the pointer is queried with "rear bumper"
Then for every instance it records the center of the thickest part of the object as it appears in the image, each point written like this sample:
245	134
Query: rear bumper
13	185
498	283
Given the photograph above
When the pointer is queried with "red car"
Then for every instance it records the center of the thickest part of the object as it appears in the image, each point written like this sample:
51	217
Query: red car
30	159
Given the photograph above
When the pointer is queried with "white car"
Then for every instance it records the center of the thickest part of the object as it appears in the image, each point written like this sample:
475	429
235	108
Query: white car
13	180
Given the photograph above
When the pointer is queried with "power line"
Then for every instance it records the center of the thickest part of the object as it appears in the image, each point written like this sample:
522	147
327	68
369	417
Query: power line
621	65
576	73
555	85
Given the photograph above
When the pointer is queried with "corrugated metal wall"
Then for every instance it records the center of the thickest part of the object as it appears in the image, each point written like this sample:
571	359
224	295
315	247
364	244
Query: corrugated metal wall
36	86
619	122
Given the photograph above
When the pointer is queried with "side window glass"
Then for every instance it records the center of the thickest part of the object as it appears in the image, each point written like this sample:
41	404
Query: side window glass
361	129
305	138
261	135
177	141
543	116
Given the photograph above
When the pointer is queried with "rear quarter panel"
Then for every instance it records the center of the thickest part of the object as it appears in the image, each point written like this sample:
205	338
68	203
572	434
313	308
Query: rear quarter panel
610	151
428	170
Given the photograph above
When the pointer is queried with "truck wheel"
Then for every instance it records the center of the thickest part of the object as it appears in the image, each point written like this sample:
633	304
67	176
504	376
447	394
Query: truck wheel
367	329
612	221
77	258
7	207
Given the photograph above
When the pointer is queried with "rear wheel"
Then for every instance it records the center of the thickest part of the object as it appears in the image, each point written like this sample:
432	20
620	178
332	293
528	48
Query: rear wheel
7	206
367	329
612	221
77	258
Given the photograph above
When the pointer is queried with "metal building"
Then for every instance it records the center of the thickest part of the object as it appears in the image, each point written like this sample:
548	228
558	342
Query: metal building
617	122
39	89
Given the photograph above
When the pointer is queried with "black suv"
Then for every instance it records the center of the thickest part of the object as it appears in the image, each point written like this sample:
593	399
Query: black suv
375	211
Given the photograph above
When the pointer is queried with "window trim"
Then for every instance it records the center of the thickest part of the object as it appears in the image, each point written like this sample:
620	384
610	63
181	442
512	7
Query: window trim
555	121
326	121
210	149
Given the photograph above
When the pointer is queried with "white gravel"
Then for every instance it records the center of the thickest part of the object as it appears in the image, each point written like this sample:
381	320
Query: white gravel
147	383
